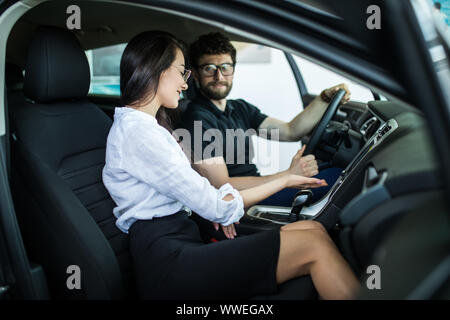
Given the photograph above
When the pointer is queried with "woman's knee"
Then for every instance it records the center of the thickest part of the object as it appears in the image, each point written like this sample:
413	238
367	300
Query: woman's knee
317	225
318	241
304	225
305	243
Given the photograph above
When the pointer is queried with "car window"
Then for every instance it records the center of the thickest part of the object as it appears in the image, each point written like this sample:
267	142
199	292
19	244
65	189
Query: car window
317	78
264	78
105	69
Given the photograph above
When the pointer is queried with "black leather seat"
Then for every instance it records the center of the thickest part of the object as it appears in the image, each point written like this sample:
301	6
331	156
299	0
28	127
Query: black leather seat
64	210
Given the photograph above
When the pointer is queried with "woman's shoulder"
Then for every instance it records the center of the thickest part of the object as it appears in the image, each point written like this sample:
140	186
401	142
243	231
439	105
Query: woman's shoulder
133	120
137	125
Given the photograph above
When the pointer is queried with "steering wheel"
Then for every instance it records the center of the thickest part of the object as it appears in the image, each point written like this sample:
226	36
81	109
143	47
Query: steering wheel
320	127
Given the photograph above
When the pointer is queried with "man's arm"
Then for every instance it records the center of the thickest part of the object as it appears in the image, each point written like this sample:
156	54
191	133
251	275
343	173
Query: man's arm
306	120
216	171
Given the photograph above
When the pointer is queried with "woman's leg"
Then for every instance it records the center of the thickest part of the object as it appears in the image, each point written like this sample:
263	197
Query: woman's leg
311	251
303	225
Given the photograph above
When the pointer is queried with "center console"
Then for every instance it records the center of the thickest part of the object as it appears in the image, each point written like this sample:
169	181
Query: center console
280	215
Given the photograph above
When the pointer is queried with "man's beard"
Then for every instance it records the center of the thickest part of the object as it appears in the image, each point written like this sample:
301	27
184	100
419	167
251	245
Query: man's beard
212	94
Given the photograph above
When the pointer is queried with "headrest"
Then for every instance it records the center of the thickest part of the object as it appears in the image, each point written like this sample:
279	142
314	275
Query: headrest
57	67
13	75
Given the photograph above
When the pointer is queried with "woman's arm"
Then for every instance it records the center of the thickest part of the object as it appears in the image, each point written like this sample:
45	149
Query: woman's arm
216	171
254	195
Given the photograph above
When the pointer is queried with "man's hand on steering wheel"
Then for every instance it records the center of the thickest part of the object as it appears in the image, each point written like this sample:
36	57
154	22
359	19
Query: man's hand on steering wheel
338	95
327	94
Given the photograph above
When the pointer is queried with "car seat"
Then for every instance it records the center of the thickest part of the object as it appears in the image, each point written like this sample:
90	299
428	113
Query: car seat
58	154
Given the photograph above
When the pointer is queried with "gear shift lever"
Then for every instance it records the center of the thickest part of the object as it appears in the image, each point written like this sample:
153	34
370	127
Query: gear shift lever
301	199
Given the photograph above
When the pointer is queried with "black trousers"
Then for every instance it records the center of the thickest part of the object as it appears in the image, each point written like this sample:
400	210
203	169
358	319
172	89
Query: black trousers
171	261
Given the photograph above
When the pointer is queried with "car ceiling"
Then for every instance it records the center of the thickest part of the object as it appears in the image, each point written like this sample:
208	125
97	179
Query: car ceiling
103	23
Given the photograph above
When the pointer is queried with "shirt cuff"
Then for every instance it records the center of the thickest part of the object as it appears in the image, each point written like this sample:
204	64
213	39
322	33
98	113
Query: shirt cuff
232	210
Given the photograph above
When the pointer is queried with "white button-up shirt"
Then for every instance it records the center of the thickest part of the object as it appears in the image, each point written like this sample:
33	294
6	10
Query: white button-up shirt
148	175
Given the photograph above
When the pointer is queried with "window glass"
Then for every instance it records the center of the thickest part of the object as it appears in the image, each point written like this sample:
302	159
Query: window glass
318	78
105	69
264	78
441	9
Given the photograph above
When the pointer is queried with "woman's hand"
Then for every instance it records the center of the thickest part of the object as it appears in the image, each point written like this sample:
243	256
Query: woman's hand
229	231
296	181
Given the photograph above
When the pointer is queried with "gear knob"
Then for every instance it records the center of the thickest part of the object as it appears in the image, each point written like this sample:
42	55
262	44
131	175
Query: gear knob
301	199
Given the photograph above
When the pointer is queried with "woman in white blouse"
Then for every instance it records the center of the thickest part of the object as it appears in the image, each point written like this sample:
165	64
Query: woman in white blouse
152	182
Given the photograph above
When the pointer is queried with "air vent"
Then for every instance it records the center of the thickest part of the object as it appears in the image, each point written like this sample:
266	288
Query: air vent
366	125
385	130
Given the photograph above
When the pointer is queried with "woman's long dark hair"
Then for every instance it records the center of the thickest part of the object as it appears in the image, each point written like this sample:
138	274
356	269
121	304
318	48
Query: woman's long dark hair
145	58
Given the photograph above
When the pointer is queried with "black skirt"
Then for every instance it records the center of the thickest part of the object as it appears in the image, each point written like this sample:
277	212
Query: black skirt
171	261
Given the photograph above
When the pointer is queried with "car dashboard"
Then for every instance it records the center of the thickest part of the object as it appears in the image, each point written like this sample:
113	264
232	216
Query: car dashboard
394	170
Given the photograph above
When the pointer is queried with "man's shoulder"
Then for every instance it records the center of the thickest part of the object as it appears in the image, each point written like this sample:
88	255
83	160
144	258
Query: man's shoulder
195	110
238	102
197	105
242	105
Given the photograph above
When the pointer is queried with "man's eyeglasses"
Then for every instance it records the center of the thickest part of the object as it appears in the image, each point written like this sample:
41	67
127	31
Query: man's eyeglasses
209	70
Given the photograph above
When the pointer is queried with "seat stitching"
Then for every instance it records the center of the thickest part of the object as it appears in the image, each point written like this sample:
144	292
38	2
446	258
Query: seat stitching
102	223
70	173
79	190
78	153
92	205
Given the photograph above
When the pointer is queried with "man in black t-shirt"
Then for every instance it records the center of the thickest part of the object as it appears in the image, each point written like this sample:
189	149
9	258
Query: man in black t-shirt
226	153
